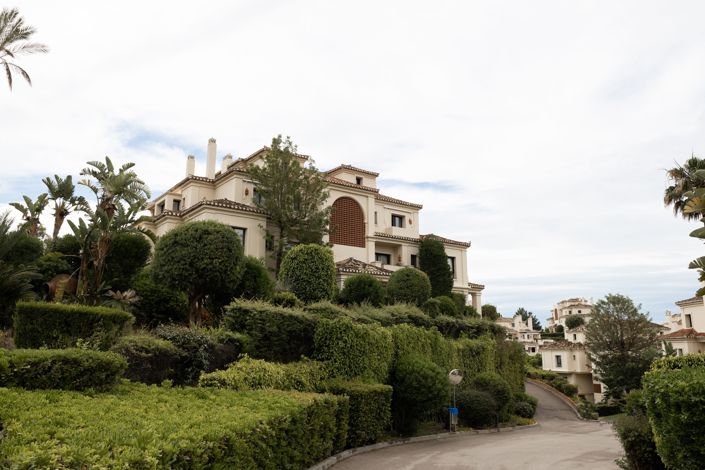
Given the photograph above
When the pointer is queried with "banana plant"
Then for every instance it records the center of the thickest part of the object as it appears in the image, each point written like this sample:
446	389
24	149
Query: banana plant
31	211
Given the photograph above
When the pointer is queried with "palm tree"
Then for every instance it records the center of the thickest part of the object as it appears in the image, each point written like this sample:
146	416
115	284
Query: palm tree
15	281
14	36
111	187
684	180
61	191
31	211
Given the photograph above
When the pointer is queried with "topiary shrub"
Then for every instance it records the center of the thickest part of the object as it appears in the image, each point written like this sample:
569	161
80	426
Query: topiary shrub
41	324
309	272
286	299
128	254
448	306
157	303
476	408
256	374
433	260
326	309
150	360
277	334
353	350
25	250
362	288
420	389
408	285
523	409
511	364
432	307
370	409
227	347
498	388
65	369
255	283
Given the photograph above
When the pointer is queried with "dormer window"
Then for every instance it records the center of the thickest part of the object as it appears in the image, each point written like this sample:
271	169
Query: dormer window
358	180
176	205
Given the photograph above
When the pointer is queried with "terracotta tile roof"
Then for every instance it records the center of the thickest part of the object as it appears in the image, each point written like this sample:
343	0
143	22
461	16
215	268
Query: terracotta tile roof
431	236
382	197
225	203
352	168
334	180
684	333
697	300
352	265
562	344
396	237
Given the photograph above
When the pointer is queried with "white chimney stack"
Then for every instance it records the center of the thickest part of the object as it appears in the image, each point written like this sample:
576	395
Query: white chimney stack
227	160
190	165
210	159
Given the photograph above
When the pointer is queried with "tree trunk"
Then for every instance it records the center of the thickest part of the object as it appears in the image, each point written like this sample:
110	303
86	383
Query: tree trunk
194	310
58	222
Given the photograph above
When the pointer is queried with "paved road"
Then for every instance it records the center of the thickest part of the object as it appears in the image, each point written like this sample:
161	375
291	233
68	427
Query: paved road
560	441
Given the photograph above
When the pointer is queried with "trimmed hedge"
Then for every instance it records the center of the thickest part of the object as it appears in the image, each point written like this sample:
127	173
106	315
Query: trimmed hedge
477	409
150	360
675	402
286	299
149	427
370	409
326	309
309	272
353	350
278	334
66	369
409	285
158	303
679	362
255	283
511	364
554	380
498	388
41	324
256	374
362	288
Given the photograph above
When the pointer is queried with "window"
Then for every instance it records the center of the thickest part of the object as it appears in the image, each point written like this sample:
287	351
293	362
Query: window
384	258
160	208
451	263
688	321
679	352
580	311
414	261
375	217
240	233
358	180
570	312
597	388
176	205
575	337
397	220
256	196
573	356
559	361
533	350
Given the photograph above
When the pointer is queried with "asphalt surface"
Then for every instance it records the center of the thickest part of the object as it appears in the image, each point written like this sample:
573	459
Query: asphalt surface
560	441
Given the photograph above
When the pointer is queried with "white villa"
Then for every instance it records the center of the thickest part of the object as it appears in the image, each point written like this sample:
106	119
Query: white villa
687	327
565	308
523	332
372	232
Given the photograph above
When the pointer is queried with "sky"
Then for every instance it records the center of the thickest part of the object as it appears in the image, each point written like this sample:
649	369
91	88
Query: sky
539	131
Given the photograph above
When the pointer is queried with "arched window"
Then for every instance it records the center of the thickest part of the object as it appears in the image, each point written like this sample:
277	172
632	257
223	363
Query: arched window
347	223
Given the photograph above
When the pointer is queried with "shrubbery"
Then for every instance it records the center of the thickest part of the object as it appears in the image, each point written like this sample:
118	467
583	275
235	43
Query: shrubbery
432	307
448	306
634	433
554	380
498	388
150	360
476	408
420	389
408	285
128	253
41	324
66	369
362	288
255	283
510	359
309	272
326	309
278	334
157	303
433	260
140	426
286	299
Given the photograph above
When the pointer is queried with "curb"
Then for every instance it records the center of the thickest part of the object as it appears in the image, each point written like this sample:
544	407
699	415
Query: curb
346	454
558	394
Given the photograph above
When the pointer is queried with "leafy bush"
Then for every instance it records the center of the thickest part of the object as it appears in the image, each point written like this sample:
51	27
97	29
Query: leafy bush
511	364
309	272
432	307
635	435
51	264
470	312
433	260
524	397
370	409
523	409
608	409
256	374
26	250
490	312
497	388
459	300
420	388
128	254
448	306
554	380
140	426
675	405
278	334
362	288
150	360
67	369
326	309
679	362
574	321
157	303
227	347
476	408
352	350
586	409
408	285
41	324
255	283
287	300
635	404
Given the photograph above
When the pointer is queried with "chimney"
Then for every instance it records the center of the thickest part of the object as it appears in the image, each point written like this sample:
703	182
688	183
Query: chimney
190	165
227	160
210	159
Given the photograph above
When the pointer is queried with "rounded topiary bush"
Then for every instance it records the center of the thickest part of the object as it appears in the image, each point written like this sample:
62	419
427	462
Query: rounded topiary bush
255	283
150	360
309	272
362	288
432	307
497	387
408	285
448	306
420	389
286	300
523	409
477	409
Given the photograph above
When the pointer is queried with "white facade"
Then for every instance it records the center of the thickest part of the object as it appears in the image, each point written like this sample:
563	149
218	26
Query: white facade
687	327
522	332
565	308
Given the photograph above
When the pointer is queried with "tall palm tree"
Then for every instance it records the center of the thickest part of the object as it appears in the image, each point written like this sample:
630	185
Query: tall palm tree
15	281
14	36
684	180
111	187
61	191
31	210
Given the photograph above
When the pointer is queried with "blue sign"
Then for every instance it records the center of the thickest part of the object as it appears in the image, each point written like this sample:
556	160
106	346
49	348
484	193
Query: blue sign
453	411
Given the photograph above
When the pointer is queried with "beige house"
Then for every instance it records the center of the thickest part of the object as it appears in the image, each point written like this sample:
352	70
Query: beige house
565	308
371	232
523	333
687	333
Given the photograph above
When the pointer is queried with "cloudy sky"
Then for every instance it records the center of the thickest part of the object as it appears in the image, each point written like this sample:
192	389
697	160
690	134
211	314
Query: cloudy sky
540	131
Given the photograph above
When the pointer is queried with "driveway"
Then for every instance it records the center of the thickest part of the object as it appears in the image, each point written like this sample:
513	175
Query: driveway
560	441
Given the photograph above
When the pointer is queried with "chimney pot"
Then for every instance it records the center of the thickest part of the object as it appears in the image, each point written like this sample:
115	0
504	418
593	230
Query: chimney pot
190	165
210	158
227	160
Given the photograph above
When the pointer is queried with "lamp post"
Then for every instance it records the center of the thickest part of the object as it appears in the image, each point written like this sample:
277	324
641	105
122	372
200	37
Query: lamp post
454	378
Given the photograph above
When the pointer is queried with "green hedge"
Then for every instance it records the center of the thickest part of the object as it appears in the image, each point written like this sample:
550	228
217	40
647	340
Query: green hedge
149	427
278	334
511	364
679	362
256	374
66	369
309	272
477	409
675	402
634	433
150	360
41	324
370	409
353	350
